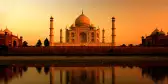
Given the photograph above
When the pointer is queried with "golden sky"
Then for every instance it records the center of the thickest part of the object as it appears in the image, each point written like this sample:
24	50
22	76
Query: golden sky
134	18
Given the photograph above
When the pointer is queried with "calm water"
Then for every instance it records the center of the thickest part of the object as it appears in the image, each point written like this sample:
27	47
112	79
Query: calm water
112	73
83	75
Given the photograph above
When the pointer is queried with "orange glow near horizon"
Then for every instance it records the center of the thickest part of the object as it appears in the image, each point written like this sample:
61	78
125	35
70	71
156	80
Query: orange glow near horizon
134	18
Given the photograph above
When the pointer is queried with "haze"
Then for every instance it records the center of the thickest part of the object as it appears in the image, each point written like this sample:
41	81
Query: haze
134	18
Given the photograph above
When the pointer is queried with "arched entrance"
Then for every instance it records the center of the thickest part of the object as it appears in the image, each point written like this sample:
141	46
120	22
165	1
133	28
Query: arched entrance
14	43
83	37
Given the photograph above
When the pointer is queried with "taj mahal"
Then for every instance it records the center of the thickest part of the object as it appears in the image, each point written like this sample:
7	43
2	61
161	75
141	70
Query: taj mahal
82	33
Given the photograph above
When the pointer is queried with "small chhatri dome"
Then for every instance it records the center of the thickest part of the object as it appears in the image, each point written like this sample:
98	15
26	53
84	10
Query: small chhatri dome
82	20
92	25
1	32
155	32
8	31
73	25
113	17
51	17
103	29
162	32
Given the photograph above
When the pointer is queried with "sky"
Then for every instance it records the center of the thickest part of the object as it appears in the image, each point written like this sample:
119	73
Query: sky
134	18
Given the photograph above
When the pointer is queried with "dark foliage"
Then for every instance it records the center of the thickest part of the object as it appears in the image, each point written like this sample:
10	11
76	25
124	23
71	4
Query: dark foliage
39	69
25	44
38	44
46	42
123	45
130	45
46	70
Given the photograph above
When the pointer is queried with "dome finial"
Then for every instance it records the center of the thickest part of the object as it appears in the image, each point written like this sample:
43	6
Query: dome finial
82	11
156	26
82	20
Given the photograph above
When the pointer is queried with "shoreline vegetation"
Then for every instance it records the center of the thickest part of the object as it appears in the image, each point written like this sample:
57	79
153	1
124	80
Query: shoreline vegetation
84	51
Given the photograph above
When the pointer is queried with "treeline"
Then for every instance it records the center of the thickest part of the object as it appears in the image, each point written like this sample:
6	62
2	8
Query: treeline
129	45
38	44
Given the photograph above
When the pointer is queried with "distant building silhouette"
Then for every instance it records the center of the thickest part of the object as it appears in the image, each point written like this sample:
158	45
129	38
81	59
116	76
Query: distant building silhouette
8	39
157	38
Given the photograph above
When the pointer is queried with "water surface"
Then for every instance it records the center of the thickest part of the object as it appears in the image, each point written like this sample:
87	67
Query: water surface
108	73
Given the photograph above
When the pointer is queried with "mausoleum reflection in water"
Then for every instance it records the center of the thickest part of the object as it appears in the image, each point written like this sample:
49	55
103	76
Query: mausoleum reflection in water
85	75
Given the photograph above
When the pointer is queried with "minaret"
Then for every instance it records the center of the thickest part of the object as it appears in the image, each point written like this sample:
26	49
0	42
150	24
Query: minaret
60	35
103	31
21	40
66	35
51	31
113	31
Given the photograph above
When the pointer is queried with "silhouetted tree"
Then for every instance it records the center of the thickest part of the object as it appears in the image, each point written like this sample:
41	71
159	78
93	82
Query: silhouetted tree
14	69
123	45
39	69
3	49
46	70
25	68
25	44
46	42
38	44
130	45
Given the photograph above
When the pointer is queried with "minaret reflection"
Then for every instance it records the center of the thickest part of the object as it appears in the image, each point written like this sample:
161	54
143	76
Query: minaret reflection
113	75
67	77
60	76
103	77
52	77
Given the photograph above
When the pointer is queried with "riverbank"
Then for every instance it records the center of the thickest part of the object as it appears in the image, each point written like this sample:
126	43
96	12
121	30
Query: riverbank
83	61
87	51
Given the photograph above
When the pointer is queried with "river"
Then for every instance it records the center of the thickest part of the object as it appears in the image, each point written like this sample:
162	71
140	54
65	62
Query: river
83	70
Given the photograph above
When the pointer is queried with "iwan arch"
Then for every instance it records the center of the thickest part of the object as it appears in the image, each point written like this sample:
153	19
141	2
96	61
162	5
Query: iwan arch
82	33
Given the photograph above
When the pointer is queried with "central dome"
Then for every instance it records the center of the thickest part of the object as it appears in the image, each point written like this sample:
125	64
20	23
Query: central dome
82	20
